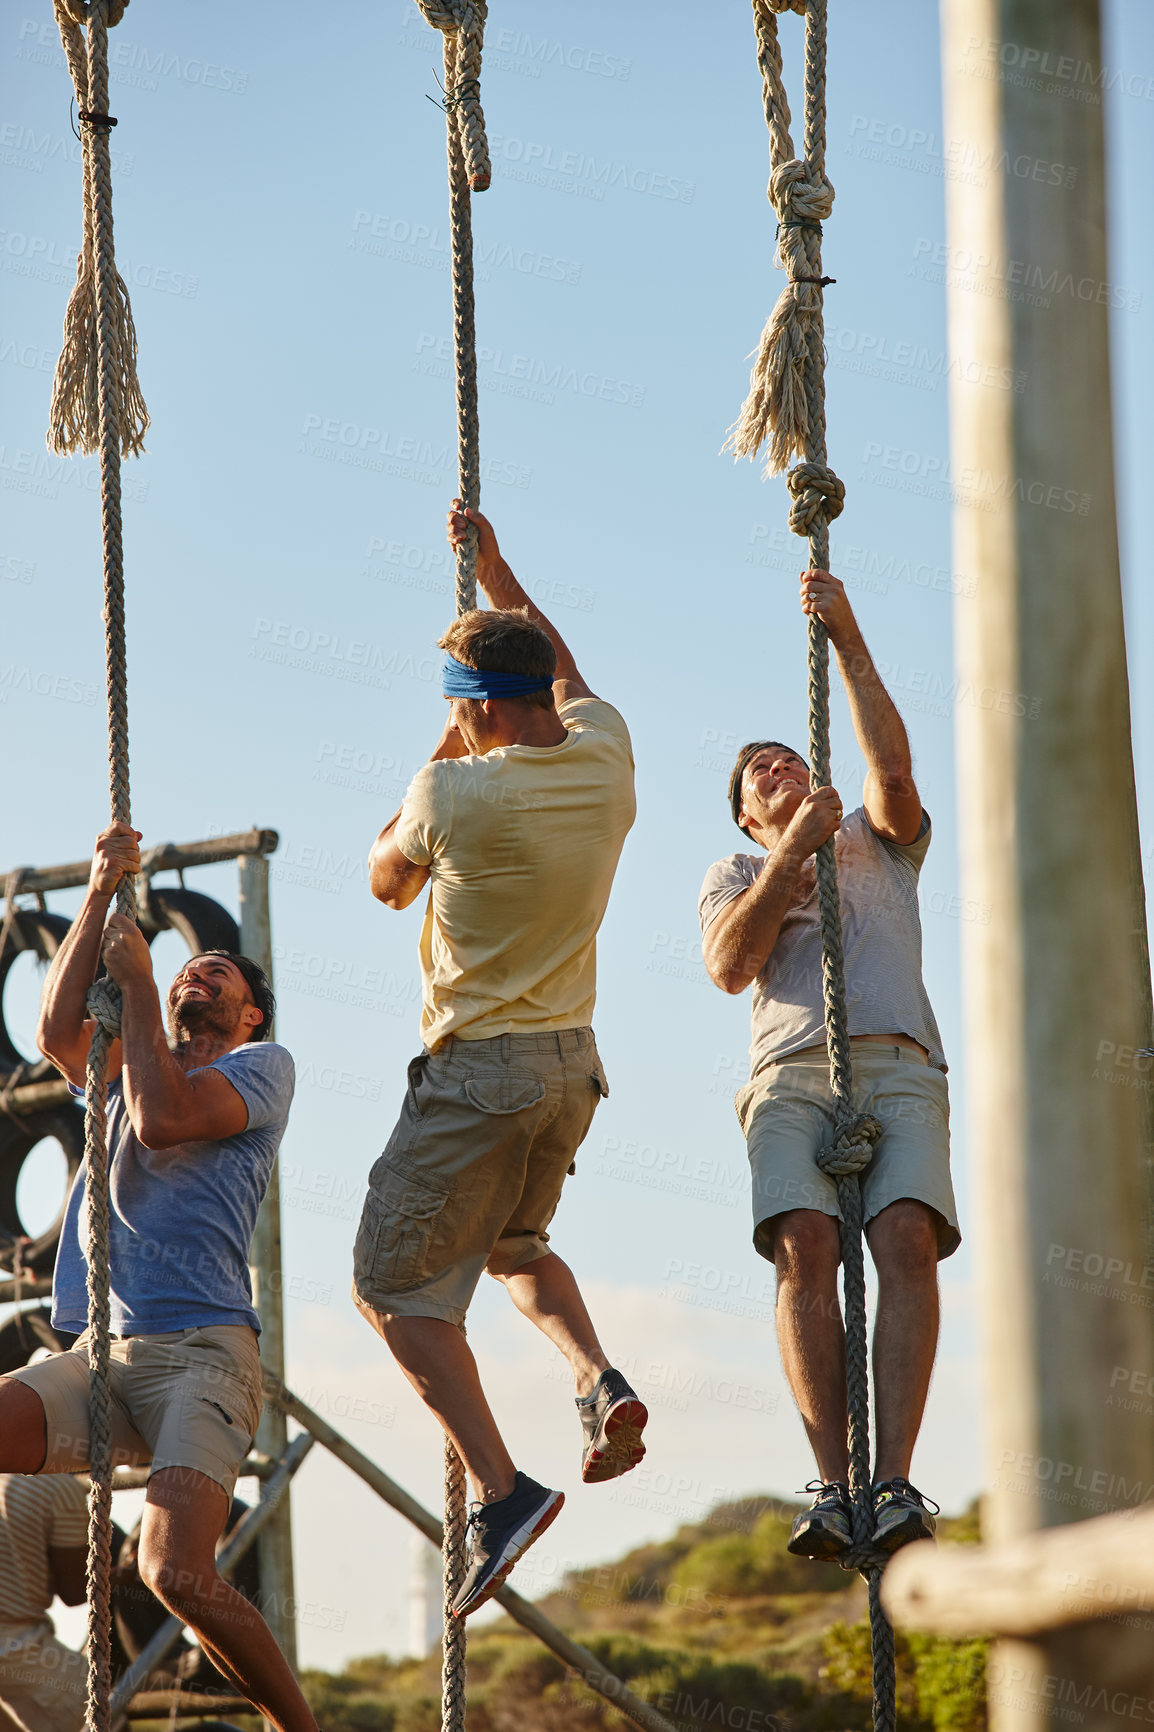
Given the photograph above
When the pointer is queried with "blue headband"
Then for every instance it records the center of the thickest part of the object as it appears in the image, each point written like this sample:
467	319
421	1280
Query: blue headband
459	681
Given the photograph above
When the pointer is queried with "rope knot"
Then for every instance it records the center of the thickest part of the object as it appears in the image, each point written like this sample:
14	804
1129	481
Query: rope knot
797	6
800	193
852	1148
103	1002
818	496
462	22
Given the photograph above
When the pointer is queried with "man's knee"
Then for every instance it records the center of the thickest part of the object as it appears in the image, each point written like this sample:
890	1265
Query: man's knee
806	1243
23	1428
903	1239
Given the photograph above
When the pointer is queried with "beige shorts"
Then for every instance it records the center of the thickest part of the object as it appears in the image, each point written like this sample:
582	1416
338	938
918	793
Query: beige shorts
786	1112
43	1684
189	1399
472	1174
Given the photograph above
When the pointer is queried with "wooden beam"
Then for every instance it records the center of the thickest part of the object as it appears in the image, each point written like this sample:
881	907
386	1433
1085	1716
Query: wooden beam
1058	1576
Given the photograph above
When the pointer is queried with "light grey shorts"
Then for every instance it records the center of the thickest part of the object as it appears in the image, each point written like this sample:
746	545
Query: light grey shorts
187	1399
786	1112
472	1174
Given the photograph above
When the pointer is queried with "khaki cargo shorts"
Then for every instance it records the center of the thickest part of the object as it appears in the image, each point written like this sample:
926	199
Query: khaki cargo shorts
786	1112
188	1399
472	1174
43	1683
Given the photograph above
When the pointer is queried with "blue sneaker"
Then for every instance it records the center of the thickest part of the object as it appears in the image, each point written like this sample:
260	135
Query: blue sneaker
613	1419
499	1533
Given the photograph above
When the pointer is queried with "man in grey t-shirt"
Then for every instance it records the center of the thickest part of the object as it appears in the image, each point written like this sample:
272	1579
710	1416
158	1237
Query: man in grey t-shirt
759	920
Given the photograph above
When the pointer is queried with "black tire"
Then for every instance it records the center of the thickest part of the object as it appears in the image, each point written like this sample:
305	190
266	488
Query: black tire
42	934
25	1334
201	922
17	1140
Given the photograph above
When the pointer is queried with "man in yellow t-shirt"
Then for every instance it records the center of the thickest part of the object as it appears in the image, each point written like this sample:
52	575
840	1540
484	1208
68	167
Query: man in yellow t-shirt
516	823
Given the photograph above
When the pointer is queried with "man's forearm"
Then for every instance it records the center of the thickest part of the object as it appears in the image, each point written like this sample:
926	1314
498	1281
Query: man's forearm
747	941
63	1002
877	723
155	1086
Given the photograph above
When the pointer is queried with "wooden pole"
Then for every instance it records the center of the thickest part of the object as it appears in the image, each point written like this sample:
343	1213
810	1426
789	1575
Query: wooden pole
275	1543
1055	1005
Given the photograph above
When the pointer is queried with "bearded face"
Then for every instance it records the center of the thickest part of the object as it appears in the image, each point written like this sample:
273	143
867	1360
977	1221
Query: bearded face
208	997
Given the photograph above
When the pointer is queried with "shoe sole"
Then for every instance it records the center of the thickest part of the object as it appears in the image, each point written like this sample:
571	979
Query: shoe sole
515	1547
818	1544
903	1533
617	1447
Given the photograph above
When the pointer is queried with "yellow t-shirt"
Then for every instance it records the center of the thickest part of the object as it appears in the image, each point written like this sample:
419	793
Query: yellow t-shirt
521	845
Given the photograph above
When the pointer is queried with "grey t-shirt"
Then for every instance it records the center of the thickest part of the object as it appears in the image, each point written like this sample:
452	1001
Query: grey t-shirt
180	1219
881	937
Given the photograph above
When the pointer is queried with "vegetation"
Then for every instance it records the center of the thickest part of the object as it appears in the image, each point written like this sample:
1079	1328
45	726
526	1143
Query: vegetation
718	1627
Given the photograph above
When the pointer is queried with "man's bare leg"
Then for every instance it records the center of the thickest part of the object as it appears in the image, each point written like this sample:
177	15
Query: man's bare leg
184	1516
546	1292
810	1334
23	1428
903	1242
438	1362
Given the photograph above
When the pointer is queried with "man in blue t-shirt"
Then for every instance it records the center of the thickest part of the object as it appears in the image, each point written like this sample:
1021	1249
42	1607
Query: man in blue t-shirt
194	1122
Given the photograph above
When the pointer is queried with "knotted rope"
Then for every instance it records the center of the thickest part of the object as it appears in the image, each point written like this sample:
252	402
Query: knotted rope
462	23
74	419
96	405
786	406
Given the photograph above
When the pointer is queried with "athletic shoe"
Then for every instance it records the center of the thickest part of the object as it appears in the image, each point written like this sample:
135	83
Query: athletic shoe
613	1420
901	1514
498	1534
825	1529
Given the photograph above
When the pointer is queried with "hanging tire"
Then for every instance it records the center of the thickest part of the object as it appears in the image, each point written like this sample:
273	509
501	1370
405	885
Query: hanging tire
201	922
25	1334
18	1138
42	934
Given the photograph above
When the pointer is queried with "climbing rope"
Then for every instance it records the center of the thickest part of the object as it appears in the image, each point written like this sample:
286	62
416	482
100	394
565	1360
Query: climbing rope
462	23
786	408
97	406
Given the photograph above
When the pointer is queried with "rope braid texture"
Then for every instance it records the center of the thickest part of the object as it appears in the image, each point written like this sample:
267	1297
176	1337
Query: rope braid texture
97	406
462	24
785	409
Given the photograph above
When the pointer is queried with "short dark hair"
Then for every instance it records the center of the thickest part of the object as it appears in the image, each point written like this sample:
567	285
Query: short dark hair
738	772
504	640
257	982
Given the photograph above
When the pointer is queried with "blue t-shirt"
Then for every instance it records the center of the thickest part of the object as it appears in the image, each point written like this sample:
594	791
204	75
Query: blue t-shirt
181	1219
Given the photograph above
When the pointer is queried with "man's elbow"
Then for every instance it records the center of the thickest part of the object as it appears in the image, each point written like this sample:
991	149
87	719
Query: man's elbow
725	976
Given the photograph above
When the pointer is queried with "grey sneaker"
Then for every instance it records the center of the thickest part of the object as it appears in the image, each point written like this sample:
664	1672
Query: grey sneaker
499	1533
613	1419
901	1514
825	1529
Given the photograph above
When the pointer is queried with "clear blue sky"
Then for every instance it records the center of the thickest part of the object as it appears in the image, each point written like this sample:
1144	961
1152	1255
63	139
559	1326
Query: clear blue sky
281	220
